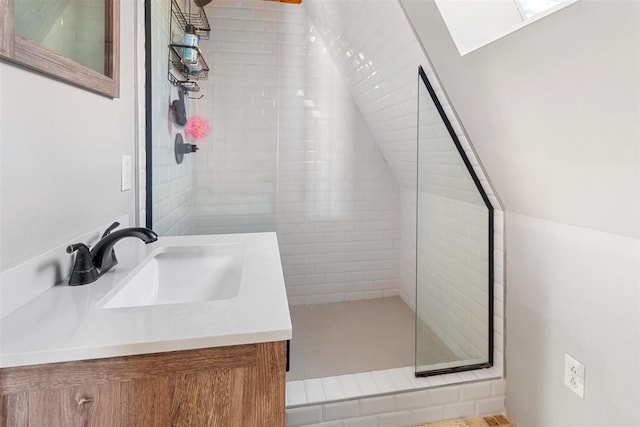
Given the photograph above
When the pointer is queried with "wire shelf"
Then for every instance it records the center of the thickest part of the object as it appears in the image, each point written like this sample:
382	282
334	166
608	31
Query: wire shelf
179	74
175	59
198	19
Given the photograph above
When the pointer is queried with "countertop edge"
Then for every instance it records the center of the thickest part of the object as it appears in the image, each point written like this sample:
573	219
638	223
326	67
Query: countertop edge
136	349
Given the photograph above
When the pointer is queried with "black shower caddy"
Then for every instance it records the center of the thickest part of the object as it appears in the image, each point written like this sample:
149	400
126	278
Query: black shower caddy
178	73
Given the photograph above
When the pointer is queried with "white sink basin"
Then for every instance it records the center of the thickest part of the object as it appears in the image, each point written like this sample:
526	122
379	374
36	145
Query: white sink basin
181	274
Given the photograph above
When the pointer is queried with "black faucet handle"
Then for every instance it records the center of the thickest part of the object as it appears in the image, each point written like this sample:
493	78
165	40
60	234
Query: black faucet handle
76	247
110	229
83	269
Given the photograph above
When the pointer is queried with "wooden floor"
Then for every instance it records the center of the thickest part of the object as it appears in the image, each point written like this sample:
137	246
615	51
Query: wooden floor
495	421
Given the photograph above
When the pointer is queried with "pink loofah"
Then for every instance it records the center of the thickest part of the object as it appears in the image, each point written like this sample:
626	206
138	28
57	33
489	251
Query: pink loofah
197	128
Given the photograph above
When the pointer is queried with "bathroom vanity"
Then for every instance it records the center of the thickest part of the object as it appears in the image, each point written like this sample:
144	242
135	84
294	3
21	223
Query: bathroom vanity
242	385
121	352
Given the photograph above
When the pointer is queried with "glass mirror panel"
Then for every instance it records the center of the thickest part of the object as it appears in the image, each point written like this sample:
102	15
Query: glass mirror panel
72	28
454	243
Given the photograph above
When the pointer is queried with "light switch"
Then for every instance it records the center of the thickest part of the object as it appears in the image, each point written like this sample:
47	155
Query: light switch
126	173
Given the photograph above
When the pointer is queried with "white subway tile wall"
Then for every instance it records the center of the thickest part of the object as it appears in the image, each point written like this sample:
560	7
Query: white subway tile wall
403	409
453	273
377	53
290	152
407	267
453	237
173	184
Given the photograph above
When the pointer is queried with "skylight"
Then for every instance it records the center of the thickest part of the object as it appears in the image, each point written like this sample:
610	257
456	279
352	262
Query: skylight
476	23
531	8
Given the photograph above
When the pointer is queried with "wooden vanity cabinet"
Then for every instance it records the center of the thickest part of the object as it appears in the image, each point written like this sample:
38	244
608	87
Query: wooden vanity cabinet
241	385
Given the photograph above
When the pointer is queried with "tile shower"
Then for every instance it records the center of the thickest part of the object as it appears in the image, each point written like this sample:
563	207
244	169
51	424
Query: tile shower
313	115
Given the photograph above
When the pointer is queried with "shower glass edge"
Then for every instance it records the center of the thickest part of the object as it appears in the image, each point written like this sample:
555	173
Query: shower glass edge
454	249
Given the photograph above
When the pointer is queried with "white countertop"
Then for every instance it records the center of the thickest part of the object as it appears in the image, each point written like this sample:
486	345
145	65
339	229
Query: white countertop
65	323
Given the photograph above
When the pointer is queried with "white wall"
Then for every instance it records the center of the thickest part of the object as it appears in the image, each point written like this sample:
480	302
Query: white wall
60	155
552	110
572	290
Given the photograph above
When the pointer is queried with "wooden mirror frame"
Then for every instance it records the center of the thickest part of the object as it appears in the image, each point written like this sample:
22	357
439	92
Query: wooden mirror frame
29	54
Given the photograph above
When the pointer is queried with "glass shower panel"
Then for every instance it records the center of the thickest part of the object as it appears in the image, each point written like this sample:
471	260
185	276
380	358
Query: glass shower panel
237	168
453	265
230	184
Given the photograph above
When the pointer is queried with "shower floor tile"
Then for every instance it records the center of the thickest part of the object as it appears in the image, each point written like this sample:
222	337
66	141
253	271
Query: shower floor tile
352	337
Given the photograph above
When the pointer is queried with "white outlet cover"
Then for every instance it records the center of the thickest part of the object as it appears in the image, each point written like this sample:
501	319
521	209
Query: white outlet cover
574	375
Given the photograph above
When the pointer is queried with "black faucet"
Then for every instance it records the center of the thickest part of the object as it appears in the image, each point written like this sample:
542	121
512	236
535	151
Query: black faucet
91	264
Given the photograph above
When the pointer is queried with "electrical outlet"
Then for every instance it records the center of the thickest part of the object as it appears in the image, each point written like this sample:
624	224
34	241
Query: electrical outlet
574	375
126	173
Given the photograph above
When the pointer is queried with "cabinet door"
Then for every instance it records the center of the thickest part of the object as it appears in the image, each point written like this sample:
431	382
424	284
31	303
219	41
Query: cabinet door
240	386
14	410
86	405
